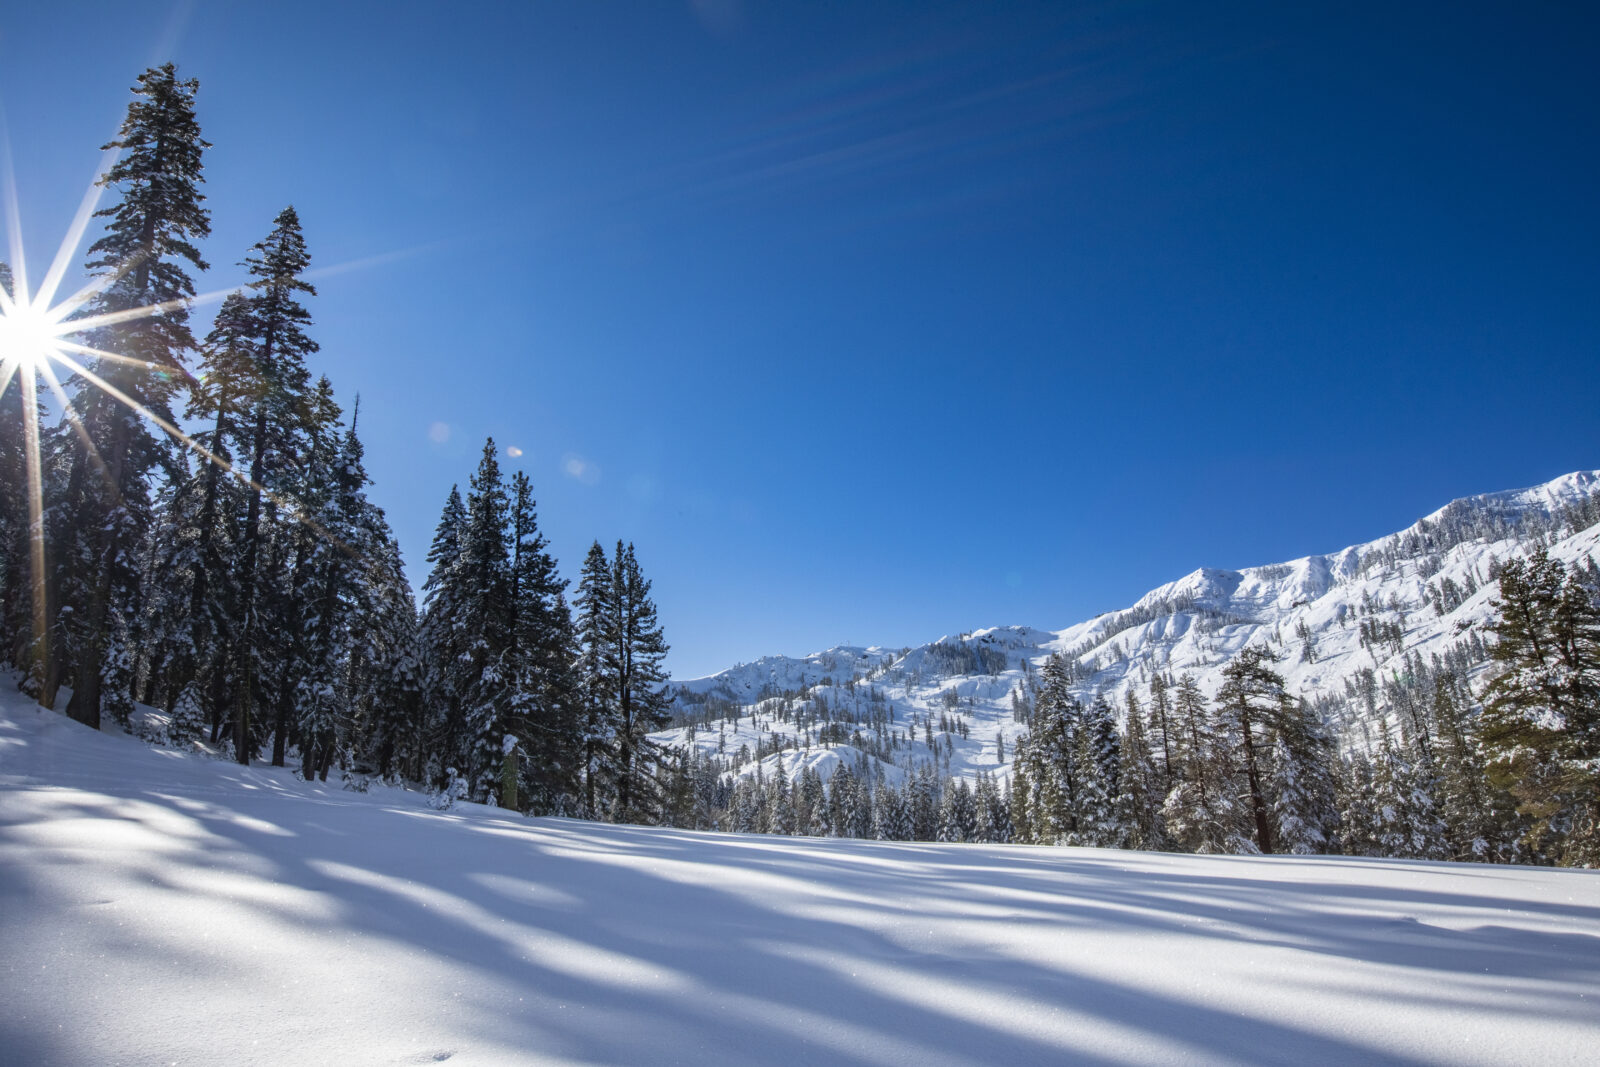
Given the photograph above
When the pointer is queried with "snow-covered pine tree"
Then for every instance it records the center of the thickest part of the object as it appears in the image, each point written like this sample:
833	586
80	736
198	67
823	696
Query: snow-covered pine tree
108	459
1162	738
193	606
1249	705
1480	818
1049	760
272	436
891	815
545	704
841	798
925	799
1540	724
485	575
1201	813
1404	821
597	631
187	719
442	630
1358	821
621	661
1101	807
1142	793
1301	769
811	805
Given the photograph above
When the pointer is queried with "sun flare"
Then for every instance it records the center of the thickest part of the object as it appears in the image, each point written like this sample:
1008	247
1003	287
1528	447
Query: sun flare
29	334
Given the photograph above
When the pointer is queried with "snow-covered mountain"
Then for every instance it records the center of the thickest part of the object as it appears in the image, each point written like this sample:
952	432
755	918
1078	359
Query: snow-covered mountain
1342	625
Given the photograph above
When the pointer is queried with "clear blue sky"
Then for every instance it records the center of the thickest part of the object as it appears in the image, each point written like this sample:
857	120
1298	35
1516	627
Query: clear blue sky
873	322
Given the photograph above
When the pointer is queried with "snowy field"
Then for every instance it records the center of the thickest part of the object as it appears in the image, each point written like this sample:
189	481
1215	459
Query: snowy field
158	908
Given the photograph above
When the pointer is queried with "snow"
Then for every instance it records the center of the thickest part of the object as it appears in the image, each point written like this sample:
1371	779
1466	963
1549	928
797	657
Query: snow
1193	625
159	907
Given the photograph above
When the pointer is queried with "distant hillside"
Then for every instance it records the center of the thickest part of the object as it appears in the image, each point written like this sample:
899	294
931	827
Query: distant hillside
1351	629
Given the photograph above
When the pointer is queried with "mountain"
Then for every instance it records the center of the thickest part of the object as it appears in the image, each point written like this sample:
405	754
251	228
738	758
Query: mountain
1353	630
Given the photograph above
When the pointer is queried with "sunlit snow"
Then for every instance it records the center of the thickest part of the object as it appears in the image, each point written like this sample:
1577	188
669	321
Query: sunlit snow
158	907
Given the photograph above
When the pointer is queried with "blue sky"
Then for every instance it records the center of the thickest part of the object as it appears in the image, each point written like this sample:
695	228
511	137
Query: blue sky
875	322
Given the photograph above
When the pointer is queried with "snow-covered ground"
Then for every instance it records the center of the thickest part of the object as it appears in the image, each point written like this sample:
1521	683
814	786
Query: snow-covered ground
162	908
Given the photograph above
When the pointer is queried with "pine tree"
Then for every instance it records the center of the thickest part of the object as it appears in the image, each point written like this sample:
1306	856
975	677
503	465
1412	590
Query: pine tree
780	807
103	511
892	815
485	574
1358	808
443	627
187	719
1201	813
621	660
924	804
1250	703
272	435
596	633
1051	762
1101	806
1404	821
1301	771
1540	724
1480	818
841	801
1161	735
811	805
544	706
23	646
1143	785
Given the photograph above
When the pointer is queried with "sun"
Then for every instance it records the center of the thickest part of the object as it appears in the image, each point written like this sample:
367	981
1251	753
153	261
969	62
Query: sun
29	334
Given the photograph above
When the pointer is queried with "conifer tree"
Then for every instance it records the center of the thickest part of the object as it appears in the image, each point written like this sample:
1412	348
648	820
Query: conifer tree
544	706
924	805
621	660
1480	818
1052	763
1101	807
891	815
102	512
597	631
1540	724
1249	704
443	629
1143	792
1161	734
1200	813
486	685
1358	821
16	563
1404	821
841	801
1301	770
272	435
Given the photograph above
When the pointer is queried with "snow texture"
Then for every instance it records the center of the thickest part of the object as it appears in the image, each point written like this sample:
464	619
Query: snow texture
162	907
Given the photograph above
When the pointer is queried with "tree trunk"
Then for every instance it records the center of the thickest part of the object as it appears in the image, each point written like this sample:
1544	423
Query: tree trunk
1258	801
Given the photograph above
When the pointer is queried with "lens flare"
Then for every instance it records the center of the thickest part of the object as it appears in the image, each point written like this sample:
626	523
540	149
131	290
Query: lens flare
28	335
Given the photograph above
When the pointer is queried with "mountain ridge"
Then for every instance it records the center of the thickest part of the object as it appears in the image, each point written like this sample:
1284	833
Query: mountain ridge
1341	624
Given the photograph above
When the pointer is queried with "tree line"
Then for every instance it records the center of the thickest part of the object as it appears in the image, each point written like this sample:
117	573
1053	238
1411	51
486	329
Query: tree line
1502	772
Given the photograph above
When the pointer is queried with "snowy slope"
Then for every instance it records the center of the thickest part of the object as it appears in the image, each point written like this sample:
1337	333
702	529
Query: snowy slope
1429	585
158	908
